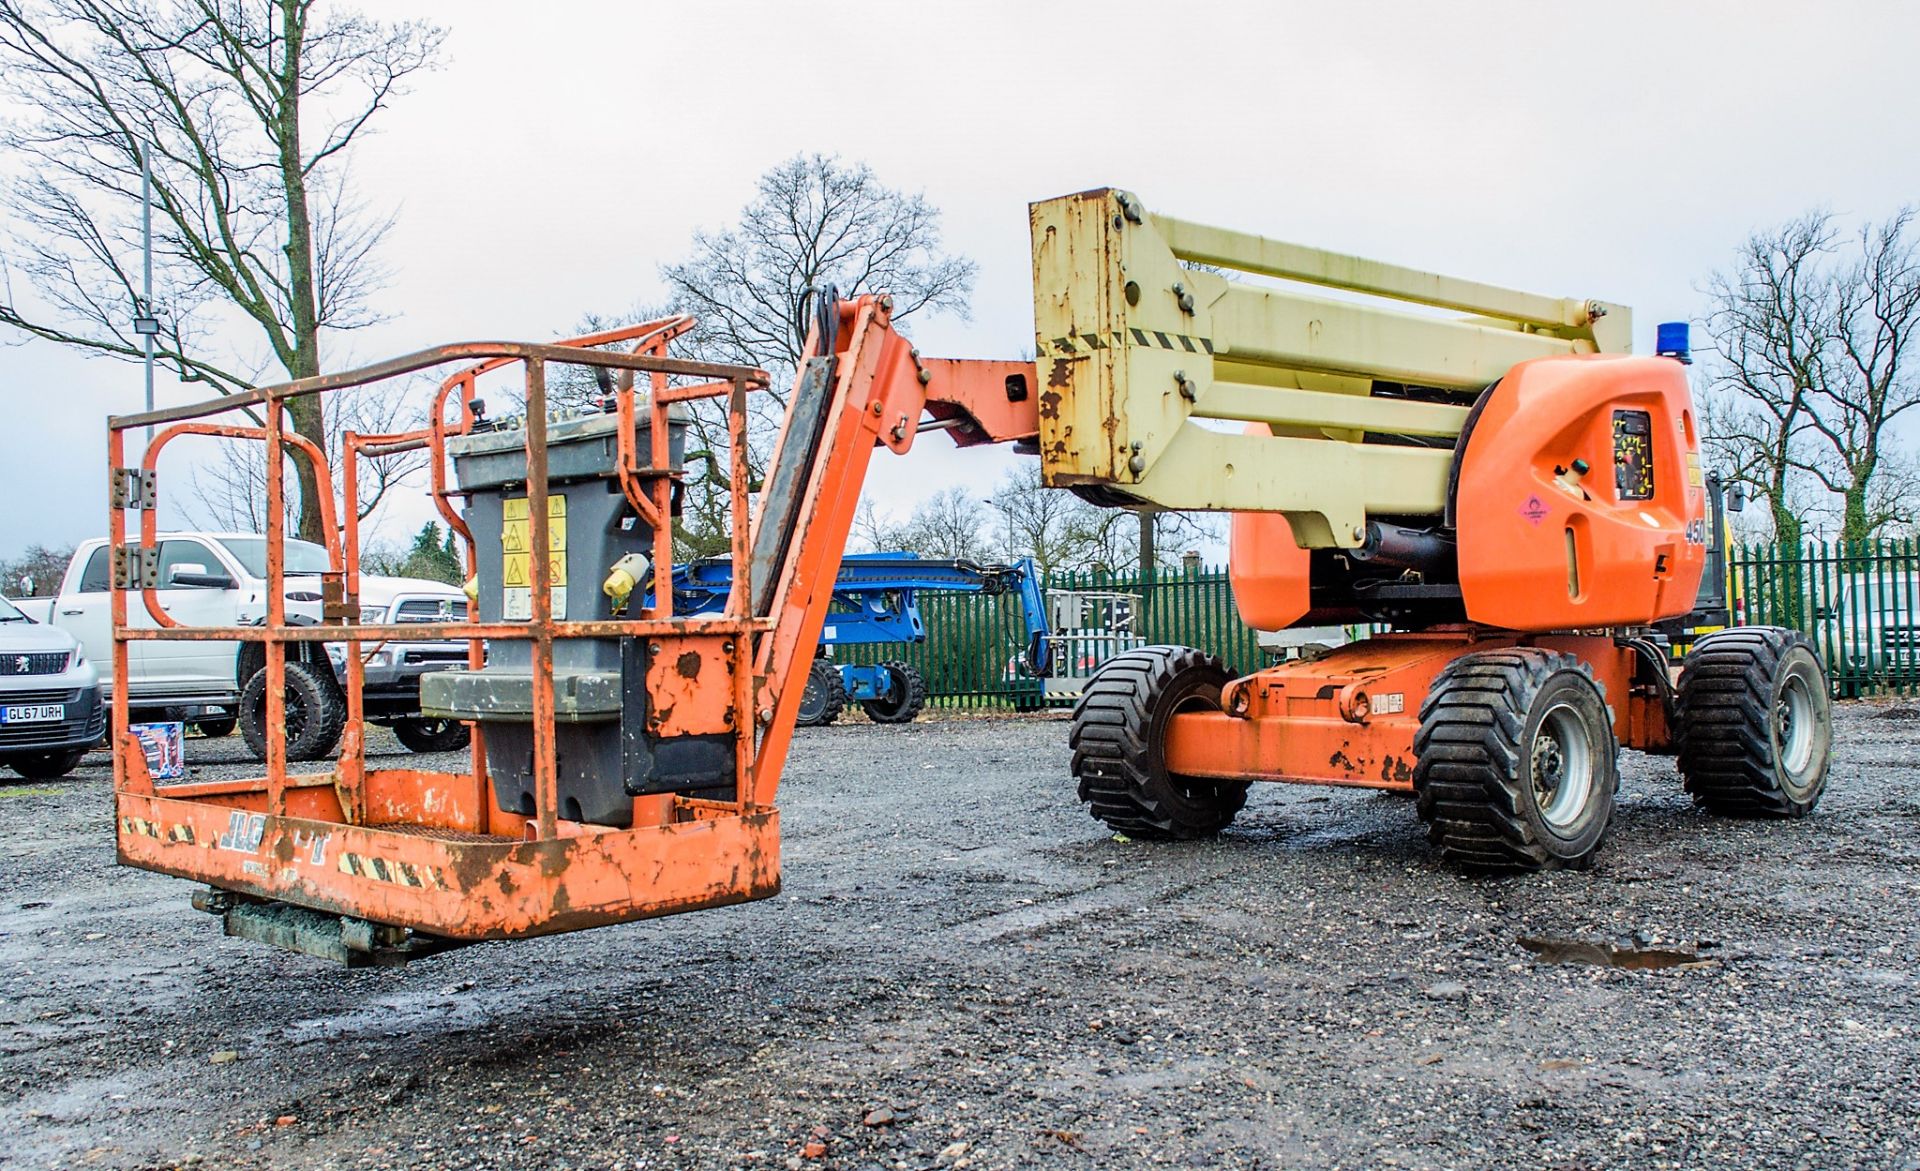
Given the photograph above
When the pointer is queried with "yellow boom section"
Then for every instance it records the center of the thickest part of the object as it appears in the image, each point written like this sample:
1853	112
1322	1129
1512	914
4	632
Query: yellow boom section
1144	324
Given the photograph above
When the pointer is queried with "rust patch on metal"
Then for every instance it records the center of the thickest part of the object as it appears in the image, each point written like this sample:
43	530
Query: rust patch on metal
688	685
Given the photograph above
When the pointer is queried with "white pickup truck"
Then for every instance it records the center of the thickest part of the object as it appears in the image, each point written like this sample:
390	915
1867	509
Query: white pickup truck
219	579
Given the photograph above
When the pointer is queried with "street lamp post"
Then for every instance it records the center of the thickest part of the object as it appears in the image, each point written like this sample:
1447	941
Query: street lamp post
145	324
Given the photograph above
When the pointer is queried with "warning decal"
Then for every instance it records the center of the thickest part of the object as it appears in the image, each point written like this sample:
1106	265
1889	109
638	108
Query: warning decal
1535	509
516	557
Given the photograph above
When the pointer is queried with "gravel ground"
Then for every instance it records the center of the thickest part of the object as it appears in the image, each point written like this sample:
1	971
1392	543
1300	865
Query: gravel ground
965	970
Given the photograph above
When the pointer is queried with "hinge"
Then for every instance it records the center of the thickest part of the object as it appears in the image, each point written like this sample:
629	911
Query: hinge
134	488
135	568
336	605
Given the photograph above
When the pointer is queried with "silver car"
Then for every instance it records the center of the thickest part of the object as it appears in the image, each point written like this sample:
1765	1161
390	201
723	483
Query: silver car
51	712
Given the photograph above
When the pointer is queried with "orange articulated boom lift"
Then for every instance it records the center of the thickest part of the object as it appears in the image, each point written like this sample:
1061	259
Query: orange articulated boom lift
1506	489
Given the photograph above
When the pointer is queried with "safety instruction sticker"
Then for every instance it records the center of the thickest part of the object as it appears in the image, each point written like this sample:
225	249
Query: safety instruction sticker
516	557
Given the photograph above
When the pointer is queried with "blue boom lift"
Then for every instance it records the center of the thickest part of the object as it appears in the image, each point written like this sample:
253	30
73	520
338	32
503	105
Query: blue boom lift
874	603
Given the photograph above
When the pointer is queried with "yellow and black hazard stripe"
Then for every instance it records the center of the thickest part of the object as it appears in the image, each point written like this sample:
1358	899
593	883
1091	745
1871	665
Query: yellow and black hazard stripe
389	870
1153	339
179	833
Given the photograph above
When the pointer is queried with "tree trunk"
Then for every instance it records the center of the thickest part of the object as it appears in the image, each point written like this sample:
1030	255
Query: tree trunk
1787	605
308	412
1856	524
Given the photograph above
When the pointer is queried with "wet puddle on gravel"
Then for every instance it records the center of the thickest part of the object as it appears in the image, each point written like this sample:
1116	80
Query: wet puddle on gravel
1614	955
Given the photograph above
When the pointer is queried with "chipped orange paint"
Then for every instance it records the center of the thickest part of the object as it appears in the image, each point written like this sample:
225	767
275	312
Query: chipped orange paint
690	686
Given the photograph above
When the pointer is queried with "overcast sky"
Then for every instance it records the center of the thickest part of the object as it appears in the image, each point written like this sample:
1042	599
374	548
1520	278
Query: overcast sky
564	150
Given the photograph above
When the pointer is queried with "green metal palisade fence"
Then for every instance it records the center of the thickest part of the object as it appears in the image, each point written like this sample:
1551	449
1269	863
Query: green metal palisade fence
974	642
1858	601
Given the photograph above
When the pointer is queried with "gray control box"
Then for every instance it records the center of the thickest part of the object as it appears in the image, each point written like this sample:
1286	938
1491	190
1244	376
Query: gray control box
605	755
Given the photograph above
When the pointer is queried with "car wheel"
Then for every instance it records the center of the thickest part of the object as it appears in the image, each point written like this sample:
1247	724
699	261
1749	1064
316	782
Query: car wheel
315	715
214	727
45	766
425	734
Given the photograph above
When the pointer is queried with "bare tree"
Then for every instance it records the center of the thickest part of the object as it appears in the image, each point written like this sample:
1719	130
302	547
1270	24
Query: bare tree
873	532
1062	532
1042	523
230	490
36	571
1770	336
1814	366
952	523
247	111
813	223
1875	309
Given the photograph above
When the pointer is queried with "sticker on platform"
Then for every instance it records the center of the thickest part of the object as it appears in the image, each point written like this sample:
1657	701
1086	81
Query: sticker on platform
1535	509
516	557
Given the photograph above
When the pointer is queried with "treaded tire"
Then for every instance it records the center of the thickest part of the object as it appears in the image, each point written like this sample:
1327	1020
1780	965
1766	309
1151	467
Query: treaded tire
824	697
1516	764
316	712
45	766
1746	696
1119	727
215	727
910	695
431	734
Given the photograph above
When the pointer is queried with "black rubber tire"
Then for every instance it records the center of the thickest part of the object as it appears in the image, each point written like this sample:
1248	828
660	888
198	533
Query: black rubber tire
316	712
1118	759
432	734
1481	758
909	696
45	766
214	727
1737	754
824	698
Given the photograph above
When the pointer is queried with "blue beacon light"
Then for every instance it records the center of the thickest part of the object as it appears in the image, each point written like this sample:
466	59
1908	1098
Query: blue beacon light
1672	340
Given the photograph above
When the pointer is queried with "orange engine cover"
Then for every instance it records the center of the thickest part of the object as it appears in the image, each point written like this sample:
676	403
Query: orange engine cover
1272	576
1270	572
1544	546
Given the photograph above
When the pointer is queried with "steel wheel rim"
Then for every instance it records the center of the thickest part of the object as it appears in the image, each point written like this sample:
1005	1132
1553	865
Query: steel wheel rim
293	712
901	698
1560	767
1793	729
813	697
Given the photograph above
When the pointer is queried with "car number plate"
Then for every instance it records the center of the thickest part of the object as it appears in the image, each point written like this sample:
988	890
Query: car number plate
33	713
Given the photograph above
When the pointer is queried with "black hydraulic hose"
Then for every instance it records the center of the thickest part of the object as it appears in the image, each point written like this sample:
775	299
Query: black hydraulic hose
823	305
